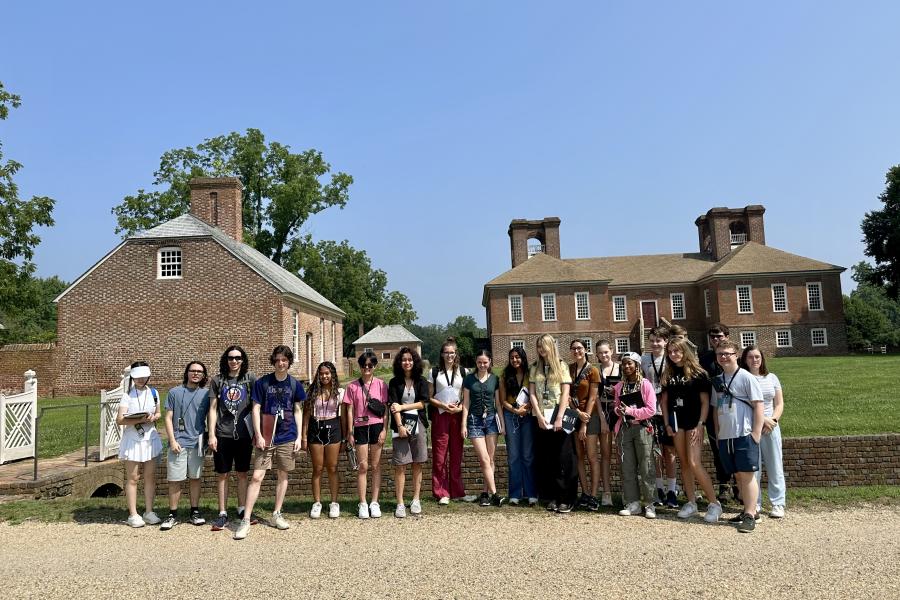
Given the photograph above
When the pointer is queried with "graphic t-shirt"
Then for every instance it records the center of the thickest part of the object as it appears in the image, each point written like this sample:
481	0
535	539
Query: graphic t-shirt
233	404
683	399
278	398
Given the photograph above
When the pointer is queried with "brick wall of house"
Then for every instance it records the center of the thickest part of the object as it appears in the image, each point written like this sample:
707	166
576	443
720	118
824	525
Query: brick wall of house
16	359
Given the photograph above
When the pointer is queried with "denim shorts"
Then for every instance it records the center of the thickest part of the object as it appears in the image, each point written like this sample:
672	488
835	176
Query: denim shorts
478	426
739	455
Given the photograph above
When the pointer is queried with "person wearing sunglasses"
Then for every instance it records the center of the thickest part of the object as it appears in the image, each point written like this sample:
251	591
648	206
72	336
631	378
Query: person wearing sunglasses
366	400
229	438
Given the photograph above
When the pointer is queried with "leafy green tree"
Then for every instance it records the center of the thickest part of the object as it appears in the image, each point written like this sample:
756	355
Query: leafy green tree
29	315
881	234
464	328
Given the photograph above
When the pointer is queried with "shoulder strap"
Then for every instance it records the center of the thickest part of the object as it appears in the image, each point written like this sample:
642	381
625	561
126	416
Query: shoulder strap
434	375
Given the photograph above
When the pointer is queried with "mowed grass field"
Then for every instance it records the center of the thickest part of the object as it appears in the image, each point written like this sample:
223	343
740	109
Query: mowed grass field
850	395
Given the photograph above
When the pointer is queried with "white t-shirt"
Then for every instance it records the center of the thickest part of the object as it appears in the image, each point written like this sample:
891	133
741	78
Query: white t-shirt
733	396
769	384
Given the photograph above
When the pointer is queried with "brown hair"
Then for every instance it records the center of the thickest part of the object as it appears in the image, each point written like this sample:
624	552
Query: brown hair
762	364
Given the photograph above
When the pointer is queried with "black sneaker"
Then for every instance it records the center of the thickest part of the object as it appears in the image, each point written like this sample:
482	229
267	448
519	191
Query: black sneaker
564	508
220	523
671	499
723	493
197	519
497	500
484	499
747	524
169	523
593	504
737	519
660	497
582	501
551	507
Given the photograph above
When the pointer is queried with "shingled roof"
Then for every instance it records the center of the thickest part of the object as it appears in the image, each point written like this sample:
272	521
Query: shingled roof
542	268
388	334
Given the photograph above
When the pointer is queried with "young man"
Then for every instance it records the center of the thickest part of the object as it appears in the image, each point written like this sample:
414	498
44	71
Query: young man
738	399
186	409
717	333
229	438
277	408
652	365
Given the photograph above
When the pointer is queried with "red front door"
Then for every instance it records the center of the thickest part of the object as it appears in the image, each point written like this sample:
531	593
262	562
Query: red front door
648	310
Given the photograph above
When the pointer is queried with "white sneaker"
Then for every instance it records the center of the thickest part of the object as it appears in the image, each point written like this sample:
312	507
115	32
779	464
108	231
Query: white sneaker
279	521
363	512
606	499
135	521
151	518
401	511
469	498
415	507
650	511
687	510
242	530
316	511
374	510
444	501
334	510
713	512
632	508
777	512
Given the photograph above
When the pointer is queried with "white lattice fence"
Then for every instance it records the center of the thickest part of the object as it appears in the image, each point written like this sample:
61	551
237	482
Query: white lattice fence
110	432
18	413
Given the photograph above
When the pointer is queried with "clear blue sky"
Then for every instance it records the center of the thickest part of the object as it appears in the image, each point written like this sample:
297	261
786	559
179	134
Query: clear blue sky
626	120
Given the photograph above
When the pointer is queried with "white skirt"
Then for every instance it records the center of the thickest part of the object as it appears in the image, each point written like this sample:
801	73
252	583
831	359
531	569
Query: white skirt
140	450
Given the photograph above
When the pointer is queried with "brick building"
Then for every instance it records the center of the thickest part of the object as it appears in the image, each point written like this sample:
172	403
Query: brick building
386	340
185	290
788	304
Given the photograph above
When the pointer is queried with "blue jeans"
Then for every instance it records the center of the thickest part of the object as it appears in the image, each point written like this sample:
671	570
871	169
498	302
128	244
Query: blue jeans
770	451
520	454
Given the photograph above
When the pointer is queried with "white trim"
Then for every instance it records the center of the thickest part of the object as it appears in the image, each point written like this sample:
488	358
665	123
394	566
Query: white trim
172	250
588	345
790	338
296	333
587	306
812	340
775	308
706	304
737	291
817	285
509	308
516	344
627	344
672	297
624	309
751	335
545	307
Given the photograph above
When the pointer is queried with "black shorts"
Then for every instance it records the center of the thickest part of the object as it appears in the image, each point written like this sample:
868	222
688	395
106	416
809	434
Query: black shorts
234	452
606	409
660	431
324	432
593	425
367	434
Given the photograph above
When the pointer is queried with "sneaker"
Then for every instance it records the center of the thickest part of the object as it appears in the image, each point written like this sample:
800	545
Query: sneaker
747	524
254	520
593	504
532	502
723	493
582	501
777	512
660	497
242	530
196	519
671	499
514	501
220	523
279	521
498	500
564	508
713	512
151	518
168	524
400	513
135	521
415	507
740	517
469	498
606	499
632	508
334	510
551	507
363	511
374	510
316	510
687	510
484	499
444	500
650	511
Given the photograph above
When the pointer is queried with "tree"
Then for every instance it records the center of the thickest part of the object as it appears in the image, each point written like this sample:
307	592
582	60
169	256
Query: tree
29	314
873	318
463	328
281	188
881	235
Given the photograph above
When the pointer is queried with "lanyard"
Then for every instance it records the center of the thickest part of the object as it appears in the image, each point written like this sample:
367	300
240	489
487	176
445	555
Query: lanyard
658	372
728	387
450	378
190	405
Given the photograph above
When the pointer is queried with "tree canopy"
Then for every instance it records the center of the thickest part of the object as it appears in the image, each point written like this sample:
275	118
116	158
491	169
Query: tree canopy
881	234
463	328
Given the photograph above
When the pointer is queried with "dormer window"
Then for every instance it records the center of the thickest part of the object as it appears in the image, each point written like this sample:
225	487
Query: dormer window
168	263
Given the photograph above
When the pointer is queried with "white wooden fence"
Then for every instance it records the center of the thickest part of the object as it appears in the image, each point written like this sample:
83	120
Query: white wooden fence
110	432
18	414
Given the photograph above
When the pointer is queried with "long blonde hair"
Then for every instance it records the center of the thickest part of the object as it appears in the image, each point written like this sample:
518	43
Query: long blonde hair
689	363
550	361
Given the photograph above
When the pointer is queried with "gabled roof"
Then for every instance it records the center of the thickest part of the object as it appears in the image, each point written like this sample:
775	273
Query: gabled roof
650	269
189	226
388	334
542	268
753	258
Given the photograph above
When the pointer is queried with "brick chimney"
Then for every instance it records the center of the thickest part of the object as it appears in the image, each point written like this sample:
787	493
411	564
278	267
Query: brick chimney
217	201
545	236
721	230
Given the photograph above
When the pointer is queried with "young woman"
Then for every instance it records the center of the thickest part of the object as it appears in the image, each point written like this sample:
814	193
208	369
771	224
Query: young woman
323	431
445	397
366	400
754	361
481	421
548	385
635	405
408	400
685	397
610	375
141	445
585	382
520	426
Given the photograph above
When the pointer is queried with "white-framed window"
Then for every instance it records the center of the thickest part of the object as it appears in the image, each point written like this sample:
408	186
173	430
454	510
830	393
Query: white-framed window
623	345
517	344
779	297
706	305
745	299
677	302
548	306
748	338
620	310
582	307
818	336
168	263
783	338
295	334
814	297
516	315
385	356
588	346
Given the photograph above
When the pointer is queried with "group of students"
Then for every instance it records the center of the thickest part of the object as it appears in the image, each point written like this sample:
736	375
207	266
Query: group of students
553	415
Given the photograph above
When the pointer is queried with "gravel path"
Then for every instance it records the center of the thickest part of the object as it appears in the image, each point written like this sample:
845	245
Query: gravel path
510	553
